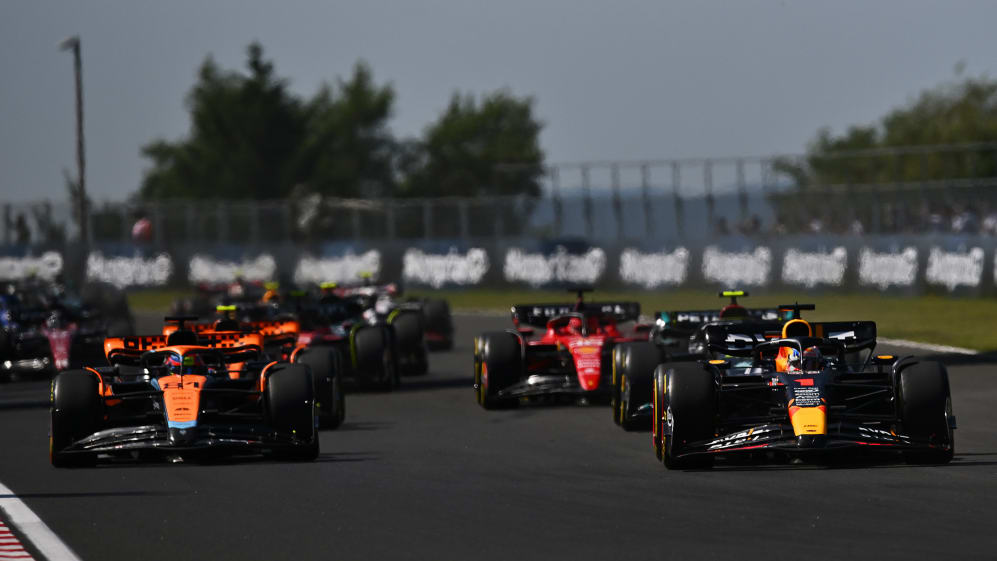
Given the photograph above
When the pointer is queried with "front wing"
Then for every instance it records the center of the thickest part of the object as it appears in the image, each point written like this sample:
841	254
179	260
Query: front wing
781	438
229	438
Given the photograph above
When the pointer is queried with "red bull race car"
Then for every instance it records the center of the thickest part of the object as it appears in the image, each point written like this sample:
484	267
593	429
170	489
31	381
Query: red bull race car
570	357
675	336
810	391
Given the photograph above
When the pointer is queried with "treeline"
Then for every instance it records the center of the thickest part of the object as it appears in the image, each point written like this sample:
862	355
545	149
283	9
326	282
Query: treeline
960	113
252	138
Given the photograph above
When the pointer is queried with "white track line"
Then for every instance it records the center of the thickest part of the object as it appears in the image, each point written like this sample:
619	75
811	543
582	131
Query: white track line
926	346
32	528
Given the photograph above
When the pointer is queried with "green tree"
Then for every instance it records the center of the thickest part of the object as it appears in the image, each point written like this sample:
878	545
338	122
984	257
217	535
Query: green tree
477	149
245	132
348	149
951	114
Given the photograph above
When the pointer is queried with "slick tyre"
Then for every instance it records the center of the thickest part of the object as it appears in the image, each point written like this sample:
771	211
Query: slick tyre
636	373
925	404
614	388
329	401
75	415
290	402
498	363
689	409
440	321
408	326
375	357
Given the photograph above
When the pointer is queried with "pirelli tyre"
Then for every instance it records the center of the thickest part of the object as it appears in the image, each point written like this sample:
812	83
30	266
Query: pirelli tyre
326	367
614	388
636	371
409	330
687	409
376	362
439	321
498	363
925	407
75	414
290	405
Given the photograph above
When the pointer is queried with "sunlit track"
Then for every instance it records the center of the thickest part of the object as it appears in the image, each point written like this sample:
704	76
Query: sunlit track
424	472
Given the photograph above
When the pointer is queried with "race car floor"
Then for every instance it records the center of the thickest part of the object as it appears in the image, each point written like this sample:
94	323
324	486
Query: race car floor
424	473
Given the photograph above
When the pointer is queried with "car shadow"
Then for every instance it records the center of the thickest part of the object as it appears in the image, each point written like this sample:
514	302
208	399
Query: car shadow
362	426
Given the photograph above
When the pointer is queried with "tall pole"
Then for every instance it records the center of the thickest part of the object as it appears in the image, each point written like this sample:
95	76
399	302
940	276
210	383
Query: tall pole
81	191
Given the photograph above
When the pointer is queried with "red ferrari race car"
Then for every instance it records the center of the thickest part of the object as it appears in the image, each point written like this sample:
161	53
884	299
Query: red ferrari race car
572	357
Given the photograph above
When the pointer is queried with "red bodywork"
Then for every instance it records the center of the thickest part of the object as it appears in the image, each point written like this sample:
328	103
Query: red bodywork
587	344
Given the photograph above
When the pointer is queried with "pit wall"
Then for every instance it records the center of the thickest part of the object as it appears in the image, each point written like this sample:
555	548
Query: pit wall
896	264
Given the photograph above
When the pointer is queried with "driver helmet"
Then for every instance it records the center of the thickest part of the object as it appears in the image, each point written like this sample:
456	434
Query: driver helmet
794	360
185	365
576	325
811	359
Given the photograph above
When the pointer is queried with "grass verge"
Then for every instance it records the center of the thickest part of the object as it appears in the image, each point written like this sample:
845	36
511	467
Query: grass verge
960	322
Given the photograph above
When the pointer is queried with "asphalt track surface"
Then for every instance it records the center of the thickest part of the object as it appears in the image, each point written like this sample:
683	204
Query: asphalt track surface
424	473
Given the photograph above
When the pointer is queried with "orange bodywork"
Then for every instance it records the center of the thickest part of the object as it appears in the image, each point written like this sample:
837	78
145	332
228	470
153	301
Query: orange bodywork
182	397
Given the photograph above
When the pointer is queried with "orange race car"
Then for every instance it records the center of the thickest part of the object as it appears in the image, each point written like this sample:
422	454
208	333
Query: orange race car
183	395
280	341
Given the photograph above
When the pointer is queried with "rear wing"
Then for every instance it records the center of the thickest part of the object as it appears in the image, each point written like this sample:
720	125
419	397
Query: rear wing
130	349
267	328
537	315
739	339
693	319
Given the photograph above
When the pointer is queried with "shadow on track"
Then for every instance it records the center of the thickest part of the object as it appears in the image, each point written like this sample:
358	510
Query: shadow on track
362	426
414	384
94	494
24	404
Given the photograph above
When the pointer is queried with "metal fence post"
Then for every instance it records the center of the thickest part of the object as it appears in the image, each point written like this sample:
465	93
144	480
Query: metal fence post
462	211
614	171
587	203
355	222
677	200
222	233
427	218
389	217
742	190
645	187
555	187
708	188
253	209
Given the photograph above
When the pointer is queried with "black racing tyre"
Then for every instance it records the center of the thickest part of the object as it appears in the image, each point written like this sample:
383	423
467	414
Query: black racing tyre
375	356
6	349
925	406
408	326
417	363
290	399
498	363
658	419
75	415
636	372
614	388
690	407
328	386
439	320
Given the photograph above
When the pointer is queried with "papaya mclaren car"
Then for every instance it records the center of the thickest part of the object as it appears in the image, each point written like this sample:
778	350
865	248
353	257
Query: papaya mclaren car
676	336
176	397
812	392
279	339
570	358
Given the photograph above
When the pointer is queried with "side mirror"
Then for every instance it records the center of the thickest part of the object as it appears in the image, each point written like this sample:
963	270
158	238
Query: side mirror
525	331
642	327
